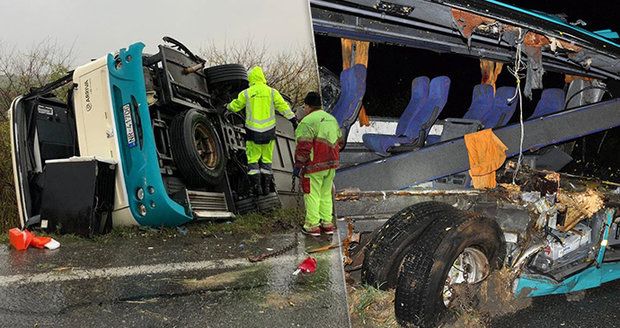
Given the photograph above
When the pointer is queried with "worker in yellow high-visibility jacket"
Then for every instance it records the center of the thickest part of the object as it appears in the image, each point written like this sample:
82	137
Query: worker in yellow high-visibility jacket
260	102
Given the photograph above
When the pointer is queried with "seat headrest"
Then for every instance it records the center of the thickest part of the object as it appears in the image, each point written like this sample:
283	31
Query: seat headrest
482	92
439	88
419	87
481	102
419	93
503	95
551	101
353	87
504	106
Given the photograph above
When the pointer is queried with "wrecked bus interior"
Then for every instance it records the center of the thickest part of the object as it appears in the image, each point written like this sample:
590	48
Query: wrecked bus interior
464	180
138	139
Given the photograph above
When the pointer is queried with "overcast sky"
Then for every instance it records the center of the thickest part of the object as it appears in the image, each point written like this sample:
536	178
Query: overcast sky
94	27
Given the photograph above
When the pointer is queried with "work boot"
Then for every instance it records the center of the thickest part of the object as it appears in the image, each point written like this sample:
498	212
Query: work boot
328	228
267	183
314	231
255	184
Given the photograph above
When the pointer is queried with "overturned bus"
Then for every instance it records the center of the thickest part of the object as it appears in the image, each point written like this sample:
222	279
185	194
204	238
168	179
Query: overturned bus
138	139
412	220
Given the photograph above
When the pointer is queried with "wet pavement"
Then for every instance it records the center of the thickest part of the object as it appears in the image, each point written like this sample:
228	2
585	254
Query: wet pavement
180	281
598	308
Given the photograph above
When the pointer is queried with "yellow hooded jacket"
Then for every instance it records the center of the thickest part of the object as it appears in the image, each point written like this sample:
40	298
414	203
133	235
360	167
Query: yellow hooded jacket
260	102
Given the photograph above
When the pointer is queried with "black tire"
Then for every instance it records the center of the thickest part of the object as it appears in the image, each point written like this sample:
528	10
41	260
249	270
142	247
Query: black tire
385	252
228	73
419	299
225	82
201	161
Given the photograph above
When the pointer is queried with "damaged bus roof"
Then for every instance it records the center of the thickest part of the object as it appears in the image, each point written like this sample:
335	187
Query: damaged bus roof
479	28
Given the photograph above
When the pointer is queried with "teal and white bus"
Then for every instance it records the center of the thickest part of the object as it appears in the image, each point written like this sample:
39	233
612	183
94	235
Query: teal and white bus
161	119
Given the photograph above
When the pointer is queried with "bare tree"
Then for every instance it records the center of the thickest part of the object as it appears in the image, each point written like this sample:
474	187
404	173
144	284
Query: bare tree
8	215
22	70
293	73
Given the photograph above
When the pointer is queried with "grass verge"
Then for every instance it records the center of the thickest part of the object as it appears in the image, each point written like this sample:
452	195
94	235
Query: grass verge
371	307
280	220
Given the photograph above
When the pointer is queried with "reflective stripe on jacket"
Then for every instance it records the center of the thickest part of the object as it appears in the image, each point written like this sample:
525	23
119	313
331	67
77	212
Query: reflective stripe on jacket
260	102
318	142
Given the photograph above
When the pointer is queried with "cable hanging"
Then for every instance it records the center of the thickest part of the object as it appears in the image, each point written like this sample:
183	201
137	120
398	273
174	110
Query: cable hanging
516	71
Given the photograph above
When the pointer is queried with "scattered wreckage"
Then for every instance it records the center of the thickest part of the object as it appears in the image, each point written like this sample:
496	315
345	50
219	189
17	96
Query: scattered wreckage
413	220
137	139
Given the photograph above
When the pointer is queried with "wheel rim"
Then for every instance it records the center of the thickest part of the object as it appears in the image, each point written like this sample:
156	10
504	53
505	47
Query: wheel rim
470	267
206	146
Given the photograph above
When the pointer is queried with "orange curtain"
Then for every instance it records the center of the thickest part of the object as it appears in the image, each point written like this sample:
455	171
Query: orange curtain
490	71
356	52
486	154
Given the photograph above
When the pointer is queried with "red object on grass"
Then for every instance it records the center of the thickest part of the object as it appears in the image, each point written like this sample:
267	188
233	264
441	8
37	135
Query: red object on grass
308	265
20	239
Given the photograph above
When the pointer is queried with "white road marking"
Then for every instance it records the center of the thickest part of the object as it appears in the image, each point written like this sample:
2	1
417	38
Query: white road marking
116	272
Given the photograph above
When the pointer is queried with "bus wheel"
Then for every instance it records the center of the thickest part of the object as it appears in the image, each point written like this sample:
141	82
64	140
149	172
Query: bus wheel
456	248
196	148
384	254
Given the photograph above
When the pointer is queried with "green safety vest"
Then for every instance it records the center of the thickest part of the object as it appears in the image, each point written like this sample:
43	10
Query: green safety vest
260	102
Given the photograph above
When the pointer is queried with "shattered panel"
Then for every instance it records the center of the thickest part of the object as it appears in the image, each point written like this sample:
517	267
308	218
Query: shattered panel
468	23
393	8
579	206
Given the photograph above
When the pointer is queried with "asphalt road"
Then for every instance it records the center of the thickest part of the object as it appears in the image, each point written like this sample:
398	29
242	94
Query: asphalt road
600	307
171	282
177	281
